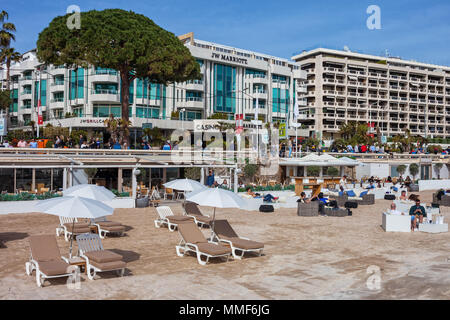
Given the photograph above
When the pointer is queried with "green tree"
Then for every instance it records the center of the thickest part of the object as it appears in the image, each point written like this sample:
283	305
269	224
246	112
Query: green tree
250	171
117	128
414	170
5	99
332	171
155	136
192	173
122	40
313	171
401	169
437	169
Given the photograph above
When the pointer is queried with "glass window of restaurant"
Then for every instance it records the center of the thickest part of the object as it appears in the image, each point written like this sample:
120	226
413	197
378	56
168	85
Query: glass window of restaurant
7	180
23	179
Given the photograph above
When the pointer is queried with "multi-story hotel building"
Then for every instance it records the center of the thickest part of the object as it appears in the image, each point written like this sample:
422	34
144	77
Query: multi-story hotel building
391	93
233	81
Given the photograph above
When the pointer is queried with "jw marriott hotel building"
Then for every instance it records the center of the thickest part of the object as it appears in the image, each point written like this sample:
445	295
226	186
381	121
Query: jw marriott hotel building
331	87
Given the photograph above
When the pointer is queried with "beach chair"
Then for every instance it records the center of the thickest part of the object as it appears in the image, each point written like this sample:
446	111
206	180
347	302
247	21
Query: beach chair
70	229
193	240
46	260
166	217
154	197
191	209
98	259
105	227
169	192
224	233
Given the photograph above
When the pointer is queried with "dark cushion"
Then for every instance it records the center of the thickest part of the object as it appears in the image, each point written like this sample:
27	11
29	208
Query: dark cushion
246	244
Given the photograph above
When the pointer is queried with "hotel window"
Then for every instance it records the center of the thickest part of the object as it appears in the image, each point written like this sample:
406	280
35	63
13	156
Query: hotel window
15	100
147	112
105	88
200	62
58	97
280	102
193	96
279	79
104	111
78	111
255	73
193	115
99	70
43	92
224	88
76	84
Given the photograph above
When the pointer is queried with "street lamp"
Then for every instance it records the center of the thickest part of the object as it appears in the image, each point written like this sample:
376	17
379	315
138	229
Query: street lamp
183	110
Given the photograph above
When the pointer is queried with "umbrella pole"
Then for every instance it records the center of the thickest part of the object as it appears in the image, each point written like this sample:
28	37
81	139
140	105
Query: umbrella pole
71	239
212	225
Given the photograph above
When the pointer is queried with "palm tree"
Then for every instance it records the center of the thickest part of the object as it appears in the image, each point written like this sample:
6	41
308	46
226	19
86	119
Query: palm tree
7	56
7	30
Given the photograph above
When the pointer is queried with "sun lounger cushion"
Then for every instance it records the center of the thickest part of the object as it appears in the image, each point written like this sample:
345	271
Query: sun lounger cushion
191	233
53	268
245	244
103	256
76	225
177	219
213	249
114	265
79	229
114	228
204	219
44	248
108	224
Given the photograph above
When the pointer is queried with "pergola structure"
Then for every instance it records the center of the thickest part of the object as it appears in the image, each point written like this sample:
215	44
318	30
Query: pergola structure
69	163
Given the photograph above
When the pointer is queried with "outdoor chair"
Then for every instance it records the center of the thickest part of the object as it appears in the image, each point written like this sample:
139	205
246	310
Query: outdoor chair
193	240
341	200
445	199
45	259
191	209
308	209
105	227
166	217
98	259
367	199
169	192
70	228
225	233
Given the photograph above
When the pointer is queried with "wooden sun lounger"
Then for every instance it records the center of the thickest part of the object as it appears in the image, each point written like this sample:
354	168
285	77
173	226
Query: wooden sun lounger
166	217
65	225
193	240
98	259
106	227
191	209
46	260
239	245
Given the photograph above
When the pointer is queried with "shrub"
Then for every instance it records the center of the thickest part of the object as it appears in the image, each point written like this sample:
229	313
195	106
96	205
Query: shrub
401	169
250	170
414	169
332	171
313	171
192	173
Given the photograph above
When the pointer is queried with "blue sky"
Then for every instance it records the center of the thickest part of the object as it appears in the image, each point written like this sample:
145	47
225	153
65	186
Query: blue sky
412	29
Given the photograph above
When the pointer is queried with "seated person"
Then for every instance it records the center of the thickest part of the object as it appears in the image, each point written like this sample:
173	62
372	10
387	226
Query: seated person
417	212
251	193
403	196
269	198
394	210
379	185
303	198
371	186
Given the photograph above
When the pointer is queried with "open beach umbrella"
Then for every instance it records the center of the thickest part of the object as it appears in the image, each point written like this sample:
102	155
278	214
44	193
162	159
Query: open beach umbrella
217	198
90	191
74	207
187	185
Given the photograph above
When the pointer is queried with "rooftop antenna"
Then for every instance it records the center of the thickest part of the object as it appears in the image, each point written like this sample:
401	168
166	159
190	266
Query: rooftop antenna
386	52
347	49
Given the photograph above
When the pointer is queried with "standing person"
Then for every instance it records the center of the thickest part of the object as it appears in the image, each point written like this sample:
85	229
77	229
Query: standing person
21	144
417	212
210	179
97	143
356	148
166	146
290	147
62	143
343	182
69	142
116	145
82	140
33	144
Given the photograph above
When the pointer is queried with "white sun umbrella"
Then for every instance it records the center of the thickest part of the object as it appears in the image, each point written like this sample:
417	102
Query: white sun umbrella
187	185
90	191
74	207
217	198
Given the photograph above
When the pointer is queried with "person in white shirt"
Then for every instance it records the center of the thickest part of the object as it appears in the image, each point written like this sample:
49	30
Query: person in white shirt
394	210
343	182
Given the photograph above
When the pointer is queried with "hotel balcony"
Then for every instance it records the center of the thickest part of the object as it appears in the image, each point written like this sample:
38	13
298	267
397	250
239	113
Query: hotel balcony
57	87
260	95
26	95
107	76
194	102
195	85
105	96
257	79
58	71
57	104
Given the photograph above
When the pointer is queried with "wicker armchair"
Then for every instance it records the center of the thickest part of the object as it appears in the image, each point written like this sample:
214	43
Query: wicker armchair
445	200
367	199
341	200
334	212
308	209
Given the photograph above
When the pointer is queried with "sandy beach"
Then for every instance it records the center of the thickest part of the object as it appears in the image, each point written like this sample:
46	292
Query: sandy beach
304	258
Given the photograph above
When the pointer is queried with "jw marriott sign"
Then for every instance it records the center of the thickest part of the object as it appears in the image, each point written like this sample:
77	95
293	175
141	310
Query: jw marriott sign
228	58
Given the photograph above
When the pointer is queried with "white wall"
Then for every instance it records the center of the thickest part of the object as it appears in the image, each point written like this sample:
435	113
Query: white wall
434	184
